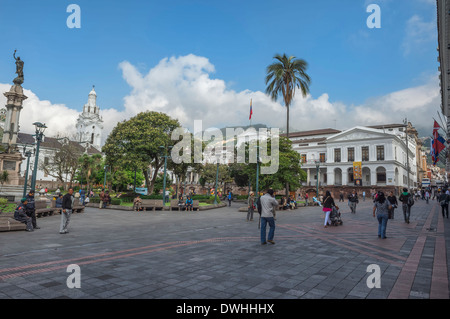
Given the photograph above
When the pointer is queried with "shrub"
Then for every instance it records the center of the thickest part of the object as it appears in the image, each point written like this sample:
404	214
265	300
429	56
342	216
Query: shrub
115	201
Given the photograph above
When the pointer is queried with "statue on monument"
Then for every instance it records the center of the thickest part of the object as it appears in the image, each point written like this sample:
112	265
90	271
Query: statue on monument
19	69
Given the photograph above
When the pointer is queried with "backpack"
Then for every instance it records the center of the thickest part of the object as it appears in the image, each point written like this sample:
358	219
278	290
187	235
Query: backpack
410	200
258	204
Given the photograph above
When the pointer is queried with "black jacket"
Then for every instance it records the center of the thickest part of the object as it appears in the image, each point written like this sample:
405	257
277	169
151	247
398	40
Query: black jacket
67	201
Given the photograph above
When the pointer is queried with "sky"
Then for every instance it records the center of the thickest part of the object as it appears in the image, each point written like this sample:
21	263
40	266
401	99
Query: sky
206	59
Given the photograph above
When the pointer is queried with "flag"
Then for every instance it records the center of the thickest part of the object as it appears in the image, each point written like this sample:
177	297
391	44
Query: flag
251	110
437	143
436	128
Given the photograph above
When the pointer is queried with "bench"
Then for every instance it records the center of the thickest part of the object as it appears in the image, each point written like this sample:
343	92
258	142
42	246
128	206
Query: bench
174	205
41	209
153	204
78	207
195	204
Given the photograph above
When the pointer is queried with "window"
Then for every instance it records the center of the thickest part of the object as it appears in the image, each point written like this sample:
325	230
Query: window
322	157
337	155
303	158
380	153
365	153
351	154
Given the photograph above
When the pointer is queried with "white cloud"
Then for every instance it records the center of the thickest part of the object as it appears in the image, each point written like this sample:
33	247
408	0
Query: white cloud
183	88
419	34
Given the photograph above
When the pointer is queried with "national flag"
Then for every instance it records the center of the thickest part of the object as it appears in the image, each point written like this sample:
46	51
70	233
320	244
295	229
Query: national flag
251	110
436	128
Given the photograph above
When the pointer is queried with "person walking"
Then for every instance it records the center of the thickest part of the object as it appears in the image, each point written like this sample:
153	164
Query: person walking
352	201
250	206
341	196
230	197
268	206
364	196
427	196
407	202
67	205
381	207
444	199
394	204
21	215
328	204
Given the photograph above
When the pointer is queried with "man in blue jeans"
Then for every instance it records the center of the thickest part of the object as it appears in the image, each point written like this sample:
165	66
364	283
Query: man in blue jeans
268	206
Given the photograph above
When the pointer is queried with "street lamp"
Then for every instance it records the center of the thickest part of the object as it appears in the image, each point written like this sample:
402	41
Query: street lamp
317	179
40	128
257	172
163	150
27	154
217	180
104	178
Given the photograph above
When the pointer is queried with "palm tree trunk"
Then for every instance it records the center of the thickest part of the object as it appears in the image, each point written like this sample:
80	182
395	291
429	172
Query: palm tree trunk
287	135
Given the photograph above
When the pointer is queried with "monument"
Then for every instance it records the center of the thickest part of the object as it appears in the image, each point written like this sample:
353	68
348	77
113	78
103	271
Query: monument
10	157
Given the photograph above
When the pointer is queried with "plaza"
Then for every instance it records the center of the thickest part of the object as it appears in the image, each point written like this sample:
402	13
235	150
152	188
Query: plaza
216	254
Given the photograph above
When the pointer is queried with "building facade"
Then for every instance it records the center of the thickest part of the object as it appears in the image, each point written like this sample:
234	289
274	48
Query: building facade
328	156
90	124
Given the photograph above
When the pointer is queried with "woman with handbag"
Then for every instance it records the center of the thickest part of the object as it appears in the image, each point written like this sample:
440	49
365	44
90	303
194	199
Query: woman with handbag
328	204
394	204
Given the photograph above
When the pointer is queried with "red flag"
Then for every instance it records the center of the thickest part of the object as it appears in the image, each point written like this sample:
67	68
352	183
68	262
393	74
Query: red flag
436	128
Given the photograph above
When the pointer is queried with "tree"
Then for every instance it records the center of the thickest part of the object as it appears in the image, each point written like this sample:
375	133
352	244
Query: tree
289	169
89	165
284	76
63	164
135	143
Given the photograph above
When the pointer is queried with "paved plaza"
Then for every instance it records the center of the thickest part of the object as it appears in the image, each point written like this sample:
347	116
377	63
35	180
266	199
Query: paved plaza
216	254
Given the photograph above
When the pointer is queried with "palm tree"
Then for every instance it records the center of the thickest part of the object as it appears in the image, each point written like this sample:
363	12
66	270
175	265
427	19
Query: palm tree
284	76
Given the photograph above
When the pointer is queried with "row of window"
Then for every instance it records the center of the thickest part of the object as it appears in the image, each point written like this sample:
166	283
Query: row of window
351	154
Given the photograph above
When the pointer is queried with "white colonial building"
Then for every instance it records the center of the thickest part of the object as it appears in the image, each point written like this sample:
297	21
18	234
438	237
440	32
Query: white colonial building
329	155
88	140
90	124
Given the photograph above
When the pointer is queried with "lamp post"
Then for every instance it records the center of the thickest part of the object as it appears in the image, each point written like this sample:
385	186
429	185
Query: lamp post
104	178
405	121
40	128
27	154
163	149
217	180
257	172
317	179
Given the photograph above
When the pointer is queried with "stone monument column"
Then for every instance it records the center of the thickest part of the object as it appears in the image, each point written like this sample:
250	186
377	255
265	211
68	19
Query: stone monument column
11	159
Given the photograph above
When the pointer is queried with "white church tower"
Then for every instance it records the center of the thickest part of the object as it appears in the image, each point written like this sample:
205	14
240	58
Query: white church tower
90	124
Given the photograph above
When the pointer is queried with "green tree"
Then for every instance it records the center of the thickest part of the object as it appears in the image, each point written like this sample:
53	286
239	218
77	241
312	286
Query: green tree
89	165
283	77
135	143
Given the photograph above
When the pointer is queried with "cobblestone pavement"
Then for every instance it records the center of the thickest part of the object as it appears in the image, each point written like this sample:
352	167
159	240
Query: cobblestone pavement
216	254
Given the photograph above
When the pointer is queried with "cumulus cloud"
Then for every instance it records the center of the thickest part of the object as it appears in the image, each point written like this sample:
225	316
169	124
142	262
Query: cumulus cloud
419	34
184	88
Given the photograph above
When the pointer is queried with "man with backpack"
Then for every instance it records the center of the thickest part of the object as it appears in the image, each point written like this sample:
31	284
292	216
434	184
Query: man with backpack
444	199
407	202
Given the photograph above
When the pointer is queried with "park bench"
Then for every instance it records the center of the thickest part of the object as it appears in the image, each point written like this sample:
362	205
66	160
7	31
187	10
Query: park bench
41	209
152	204
77	207
174	205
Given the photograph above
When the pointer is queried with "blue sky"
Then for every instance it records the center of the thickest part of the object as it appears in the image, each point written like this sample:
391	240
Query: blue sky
350	63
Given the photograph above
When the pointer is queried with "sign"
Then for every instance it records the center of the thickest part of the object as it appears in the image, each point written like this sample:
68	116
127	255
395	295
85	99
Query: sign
357	173
141	190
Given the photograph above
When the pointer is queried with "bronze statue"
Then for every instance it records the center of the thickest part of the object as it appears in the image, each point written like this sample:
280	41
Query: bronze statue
19	69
